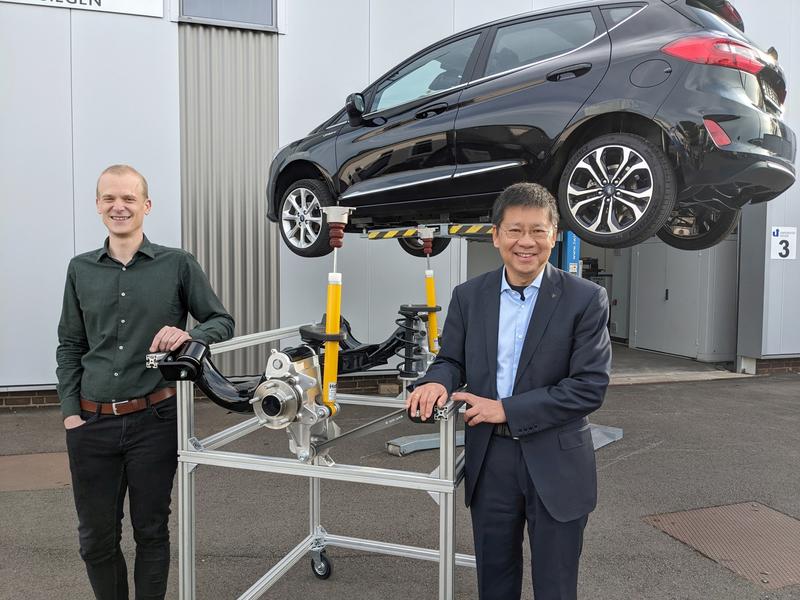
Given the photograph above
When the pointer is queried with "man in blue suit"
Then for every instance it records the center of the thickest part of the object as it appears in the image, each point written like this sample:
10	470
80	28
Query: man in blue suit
531	345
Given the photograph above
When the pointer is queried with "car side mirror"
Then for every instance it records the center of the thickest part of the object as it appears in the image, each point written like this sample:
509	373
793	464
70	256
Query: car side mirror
354	105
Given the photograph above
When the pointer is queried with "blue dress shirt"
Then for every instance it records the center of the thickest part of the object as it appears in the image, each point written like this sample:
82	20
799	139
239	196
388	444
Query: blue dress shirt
515	315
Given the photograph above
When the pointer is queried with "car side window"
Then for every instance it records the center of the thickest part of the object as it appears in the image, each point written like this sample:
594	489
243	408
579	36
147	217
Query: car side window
438	70
531	41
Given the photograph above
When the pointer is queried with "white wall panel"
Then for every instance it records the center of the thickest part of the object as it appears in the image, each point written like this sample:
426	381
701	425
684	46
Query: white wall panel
80	91
471	13
319	65
126	110
718	321
395	278
36	236
545	4
776	23
399	29
684	303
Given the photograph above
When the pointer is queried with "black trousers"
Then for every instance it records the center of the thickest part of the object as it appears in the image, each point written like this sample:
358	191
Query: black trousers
504	499
110	456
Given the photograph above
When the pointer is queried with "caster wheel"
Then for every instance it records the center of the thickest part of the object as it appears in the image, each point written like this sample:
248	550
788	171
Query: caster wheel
321	568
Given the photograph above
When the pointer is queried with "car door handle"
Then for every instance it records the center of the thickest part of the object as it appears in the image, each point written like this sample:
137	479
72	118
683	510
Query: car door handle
570	72
432	110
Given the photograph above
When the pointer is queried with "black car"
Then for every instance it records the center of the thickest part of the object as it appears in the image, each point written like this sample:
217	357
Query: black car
648	117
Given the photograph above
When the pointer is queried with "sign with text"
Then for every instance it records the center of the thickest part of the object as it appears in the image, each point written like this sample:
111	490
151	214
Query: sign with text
784	243
147	8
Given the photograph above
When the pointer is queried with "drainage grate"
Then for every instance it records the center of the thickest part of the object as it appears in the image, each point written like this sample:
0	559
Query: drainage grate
750	539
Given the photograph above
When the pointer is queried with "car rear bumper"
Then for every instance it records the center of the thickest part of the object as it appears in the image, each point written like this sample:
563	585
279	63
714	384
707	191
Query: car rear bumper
758	162
765	179
737	178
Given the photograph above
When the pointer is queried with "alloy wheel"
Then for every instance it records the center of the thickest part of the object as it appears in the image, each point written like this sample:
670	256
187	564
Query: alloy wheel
301	217
699	226
610	189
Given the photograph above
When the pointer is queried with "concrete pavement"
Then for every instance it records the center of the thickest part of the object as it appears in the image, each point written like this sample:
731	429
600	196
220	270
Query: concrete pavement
686	445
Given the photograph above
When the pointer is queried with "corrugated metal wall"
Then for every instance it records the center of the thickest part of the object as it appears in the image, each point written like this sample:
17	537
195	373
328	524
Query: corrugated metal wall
229	133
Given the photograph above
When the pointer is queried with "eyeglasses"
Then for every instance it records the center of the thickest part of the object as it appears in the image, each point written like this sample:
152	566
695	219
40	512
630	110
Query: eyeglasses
516	233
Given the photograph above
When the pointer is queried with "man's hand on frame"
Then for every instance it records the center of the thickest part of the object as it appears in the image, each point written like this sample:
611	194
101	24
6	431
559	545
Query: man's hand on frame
168	339
481	410
424	397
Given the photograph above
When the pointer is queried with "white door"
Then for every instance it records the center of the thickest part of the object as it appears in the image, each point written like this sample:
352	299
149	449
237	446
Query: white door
667	299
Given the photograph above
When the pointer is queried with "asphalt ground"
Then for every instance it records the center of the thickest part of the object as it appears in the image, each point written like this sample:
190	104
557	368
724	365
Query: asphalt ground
685	446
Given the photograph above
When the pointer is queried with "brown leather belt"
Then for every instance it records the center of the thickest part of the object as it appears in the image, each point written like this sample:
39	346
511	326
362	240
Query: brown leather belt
125	407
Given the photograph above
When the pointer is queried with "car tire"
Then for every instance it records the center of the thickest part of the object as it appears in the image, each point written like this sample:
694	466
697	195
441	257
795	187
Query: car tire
414	246
616	191
698	227
303	225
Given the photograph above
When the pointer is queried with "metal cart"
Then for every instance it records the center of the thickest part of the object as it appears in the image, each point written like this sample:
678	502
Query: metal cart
193	452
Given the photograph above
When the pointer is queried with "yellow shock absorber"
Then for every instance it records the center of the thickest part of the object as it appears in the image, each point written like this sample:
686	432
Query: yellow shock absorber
430	297
333	314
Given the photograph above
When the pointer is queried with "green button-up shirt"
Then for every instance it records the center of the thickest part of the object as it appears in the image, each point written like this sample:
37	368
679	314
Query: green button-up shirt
112	312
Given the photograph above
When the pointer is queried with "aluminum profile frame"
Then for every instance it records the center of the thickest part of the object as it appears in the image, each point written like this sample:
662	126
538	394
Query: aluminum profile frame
193	452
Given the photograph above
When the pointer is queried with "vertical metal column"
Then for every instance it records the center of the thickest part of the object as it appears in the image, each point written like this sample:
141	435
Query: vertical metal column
314	519
186	520
447	504
570	255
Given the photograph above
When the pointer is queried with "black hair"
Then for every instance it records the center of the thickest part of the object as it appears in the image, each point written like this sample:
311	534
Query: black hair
528	195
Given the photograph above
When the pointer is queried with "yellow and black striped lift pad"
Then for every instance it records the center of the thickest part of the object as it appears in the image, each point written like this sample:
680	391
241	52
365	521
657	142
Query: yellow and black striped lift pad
453	230
479	230
387	234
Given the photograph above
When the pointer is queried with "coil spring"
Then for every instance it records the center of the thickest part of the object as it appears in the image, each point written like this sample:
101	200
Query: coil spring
408	349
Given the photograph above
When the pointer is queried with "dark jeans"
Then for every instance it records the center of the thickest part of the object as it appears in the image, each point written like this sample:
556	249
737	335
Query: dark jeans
109	456
504	501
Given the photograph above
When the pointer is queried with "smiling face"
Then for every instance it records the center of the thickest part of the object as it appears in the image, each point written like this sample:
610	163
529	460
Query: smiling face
524	238
122	203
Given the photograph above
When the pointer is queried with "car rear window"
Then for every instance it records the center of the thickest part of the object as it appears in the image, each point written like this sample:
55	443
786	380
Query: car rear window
707	13
532	41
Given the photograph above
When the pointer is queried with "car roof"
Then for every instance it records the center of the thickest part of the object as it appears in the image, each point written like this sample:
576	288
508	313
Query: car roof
542	11
482	26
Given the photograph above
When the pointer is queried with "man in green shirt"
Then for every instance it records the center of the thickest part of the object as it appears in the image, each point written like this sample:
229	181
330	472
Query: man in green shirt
120	302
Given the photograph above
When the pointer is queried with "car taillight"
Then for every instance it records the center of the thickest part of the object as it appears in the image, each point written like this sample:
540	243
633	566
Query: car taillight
718	51
717	133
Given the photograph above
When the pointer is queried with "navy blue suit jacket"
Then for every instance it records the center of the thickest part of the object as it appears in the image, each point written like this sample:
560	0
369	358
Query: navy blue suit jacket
562	376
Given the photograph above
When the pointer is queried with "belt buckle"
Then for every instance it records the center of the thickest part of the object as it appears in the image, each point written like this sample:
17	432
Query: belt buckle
114	406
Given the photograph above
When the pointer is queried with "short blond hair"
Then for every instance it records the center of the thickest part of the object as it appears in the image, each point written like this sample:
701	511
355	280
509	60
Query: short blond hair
122	170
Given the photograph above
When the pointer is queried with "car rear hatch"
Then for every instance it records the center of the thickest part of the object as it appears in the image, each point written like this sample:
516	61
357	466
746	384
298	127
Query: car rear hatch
725	44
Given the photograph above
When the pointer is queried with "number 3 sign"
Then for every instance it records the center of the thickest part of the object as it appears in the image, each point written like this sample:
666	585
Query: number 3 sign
784	243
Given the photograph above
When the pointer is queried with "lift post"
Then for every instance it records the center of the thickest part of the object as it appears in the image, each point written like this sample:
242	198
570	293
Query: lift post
567	256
